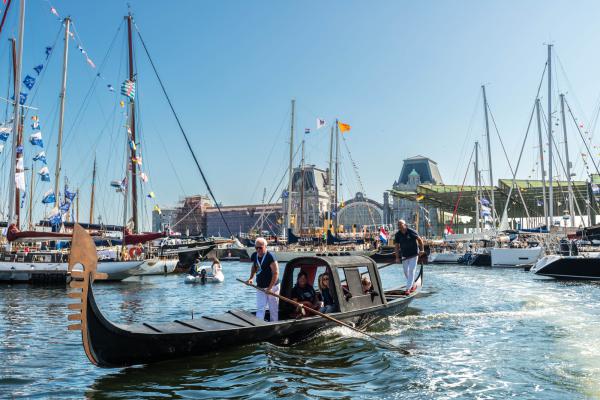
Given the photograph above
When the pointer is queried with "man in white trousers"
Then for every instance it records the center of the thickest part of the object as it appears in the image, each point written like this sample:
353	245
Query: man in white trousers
266	269
409	246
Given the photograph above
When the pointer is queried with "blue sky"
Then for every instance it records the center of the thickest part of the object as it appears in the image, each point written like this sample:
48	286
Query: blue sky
405	75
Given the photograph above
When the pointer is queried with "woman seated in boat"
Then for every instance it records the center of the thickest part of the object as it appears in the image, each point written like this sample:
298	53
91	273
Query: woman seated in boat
367	287
304	294
215	267
327	303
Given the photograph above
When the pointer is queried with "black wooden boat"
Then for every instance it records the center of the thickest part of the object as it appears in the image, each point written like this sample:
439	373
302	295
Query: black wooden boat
108	344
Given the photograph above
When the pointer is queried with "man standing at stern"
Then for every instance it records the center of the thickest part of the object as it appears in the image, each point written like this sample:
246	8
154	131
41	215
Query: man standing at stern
266	269
408	245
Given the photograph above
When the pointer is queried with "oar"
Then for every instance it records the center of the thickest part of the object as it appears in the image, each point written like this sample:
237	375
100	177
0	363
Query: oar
320	314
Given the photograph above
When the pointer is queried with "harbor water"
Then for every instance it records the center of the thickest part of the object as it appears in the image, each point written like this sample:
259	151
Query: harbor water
474	333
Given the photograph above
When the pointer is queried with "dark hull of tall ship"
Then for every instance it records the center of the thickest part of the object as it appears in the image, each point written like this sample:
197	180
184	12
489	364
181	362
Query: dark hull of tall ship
480	260
571	268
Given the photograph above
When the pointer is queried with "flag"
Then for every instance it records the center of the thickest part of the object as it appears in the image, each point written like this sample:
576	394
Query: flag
320	123
343	127
122	103
44	174
49	197
285	194
35	126
41	156
48	51
306	131
595	189
36	139
89	61
144	177
540	203
484	201
420	197
29	81
132	145
53	11
70	195
22	98
448	230
38	69
4	136
136	160
20	180
157	209
383	235
19	149
55	217
128	89
151	195
64	207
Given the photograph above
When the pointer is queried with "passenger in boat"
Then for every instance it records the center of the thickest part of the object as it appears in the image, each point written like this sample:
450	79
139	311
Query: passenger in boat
203	276
194	268
266	269
304	294
327	303
367	287
408	247
215	267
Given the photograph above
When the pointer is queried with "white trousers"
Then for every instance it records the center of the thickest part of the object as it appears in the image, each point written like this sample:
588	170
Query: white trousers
409	265
263	299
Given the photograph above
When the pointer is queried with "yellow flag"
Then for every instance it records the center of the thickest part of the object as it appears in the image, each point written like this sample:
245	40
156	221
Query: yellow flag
420	197
157	209
343	127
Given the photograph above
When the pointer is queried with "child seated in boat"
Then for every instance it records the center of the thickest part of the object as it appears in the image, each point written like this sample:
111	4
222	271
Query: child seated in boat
304	294
327	303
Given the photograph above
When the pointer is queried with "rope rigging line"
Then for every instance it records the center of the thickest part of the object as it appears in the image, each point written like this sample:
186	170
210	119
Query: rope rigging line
461	191
182	130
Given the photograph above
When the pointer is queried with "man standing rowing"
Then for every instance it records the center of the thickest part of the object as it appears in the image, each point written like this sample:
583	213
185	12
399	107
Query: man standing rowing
266	269
409	246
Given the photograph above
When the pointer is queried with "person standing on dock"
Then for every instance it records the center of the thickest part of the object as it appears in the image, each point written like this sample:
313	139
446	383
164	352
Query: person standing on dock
408	246
266	269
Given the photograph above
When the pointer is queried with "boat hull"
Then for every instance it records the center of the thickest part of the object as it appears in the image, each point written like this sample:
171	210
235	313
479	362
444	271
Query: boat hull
515	257
569	267
444	258
157	266
43	272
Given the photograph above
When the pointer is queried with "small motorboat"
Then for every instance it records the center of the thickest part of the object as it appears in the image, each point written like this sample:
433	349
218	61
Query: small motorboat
212	274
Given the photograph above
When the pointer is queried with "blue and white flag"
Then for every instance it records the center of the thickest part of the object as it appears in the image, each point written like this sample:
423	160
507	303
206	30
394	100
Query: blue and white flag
306	131
595	189
64	207
285	194
49	197
44	174
38	69
36	139
70	195
55	217
4	135
484	202
22	98
320	123
48	51
41	156
29	81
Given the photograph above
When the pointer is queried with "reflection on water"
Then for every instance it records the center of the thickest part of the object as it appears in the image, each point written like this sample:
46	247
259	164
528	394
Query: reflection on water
475	333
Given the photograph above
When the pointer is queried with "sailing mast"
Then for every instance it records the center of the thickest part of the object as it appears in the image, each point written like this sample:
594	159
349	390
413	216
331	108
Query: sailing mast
550	140
302	190
30	224
477	187
489	149
569	182
541	143
133	179
17	56
93	193
61	116
290	170
337	174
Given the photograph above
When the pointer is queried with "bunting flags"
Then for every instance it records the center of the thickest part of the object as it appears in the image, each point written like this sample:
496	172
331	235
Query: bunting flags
320	123
36	139
48	51
420	197
484	202
128	89
29	81
44	174
49	197
4	132
144	177
38	69
383	235
157	209
132	145
70	195
55	217
41	156
136	160
306	131
20	180
151	195
343	127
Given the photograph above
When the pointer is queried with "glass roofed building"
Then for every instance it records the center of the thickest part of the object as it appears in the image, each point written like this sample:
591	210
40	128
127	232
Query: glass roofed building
361	212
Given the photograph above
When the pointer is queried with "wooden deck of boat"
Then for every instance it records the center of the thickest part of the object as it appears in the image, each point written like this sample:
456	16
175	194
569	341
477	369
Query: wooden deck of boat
232	319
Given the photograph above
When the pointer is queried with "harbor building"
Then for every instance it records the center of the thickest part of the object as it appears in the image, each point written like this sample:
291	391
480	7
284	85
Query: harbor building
262	219
415	171
164	220
310	197
361	212
190	215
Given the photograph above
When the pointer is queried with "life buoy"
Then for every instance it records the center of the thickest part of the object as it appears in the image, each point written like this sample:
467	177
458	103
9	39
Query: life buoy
134	252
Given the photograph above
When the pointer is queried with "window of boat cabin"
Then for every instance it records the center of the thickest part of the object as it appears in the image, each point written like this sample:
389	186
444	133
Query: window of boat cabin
351	278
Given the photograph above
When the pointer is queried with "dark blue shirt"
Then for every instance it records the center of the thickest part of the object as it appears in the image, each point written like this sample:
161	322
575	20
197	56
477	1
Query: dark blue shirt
327	298
264	274
407	242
